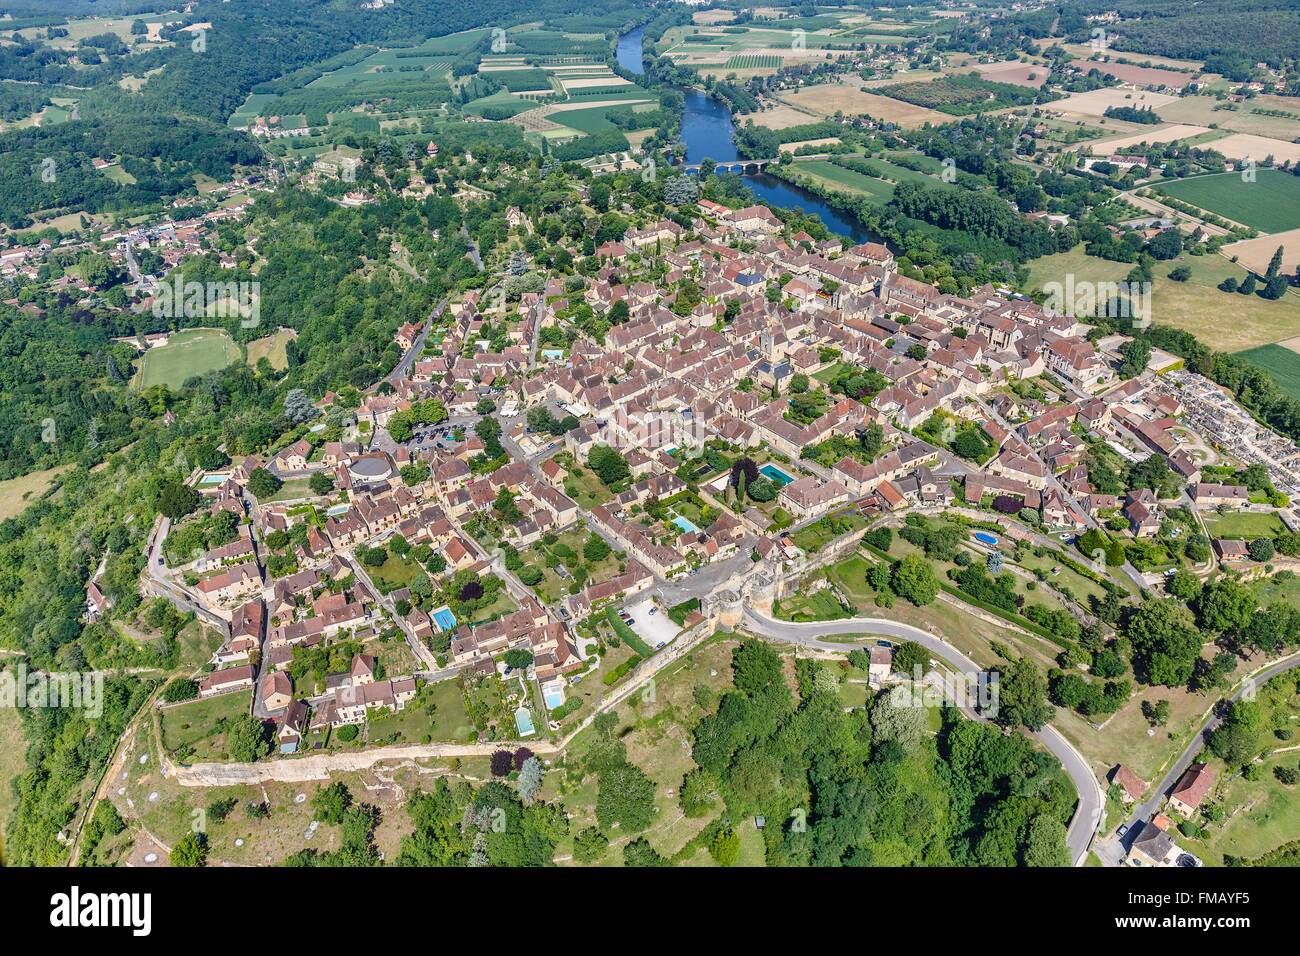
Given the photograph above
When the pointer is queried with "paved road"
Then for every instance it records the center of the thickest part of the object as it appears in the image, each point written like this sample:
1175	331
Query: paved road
1147	808
404	366
1087	816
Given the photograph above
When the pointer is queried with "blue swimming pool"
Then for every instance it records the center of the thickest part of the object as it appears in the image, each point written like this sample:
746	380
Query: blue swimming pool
524	721
445	620
983	537
553	695
776	474
688	527
212	479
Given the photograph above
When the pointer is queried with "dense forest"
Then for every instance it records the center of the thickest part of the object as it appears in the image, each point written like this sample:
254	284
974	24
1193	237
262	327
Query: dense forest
873	786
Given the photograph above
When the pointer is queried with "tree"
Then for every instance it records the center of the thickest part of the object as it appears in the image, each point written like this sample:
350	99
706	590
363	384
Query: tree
1136	353
698	793
640	853
625	797
595	549
610	467
1022	697
176	500
1226	605
589	845
321	483
179	690
913	578
246	739
1184	585
262	484
530	779
892	720
298	407
517	658
1156	712
1045	845
725	846
1261	549
908	656
330	804
190	850
681	190
1165	642
1236	740
502	762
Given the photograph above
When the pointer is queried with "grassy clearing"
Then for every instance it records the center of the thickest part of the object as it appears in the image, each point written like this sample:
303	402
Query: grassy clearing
1185	305
272	347
1244	524
17	493
192	731
186	354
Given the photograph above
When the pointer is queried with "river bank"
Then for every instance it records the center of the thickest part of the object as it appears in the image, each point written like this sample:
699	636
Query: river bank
708	132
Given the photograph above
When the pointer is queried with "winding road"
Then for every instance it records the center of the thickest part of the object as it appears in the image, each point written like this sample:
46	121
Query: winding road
1087	816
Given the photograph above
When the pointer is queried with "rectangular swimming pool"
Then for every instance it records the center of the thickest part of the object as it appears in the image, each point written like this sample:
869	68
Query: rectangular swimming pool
776	474
688	527
445	620
524	721
553	694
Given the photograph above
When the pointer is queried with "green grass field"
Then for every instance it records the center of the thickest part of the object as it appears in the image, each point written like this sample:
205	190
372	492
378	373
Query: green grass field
1279	362
187	353
1244	524
1270	204
831	176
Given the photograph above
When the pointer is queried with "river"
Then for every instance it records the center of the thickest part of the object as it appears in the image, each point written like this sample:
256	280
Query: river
708	133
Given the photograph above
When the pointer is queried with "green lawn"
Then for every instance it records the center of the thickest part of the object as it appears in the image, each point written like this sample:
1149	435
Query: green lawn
186	354
813	537
1271	203
194	729
821	606
1261	816
1244	524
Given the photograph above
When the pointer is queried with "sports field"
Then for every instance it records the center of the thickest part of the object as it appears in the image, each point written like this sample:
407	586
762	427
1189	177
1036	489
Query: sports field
1271	203
187	353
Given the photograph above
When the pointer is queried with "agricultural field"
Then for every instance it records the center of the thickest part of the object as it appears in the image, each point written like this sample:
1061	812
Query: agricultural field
1248	117
1146	75
1255	254
751	61
1242	146
1154	136
188	353
1031	75
1270	204
1280	362
1185	305
826	99
962	95
1094	103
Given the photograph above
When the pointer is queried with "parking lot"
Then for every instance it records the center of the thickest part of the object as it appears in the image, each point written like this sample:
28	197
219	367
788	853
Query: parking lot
655	629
